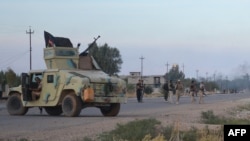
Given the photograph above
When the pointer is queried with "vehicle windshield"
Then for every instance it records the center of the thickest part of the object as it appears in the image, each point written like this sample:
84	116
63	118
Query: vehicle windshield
65	52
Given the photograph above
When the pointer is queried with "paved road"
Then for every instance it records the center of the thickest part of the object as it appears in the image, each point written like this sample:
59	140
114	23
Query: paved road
126	109
34	122
130	107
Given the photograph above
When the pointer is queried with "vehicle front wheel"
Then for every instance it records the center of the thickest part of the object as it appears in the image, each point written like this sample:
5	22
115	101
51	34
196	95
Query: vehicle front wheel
15	105
111	110
71	105
54	111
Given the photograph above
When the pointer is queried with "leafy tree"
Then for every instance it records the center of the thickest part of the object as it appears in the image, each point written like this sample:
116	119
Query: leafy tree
2	80
12	78
108	58
174	73
211	85
130	88
148	89
2	77
239	83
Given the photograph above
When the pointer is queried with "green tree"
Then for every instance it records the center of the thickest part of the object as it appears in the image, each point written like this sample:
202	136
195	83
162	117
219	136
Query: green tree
108	58
130	88
2	80
175	74
12	78
148	89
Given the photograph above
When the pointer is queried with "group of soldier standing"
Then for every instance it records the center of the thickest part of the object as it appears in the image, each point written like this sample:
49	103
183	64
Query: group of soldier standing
171	89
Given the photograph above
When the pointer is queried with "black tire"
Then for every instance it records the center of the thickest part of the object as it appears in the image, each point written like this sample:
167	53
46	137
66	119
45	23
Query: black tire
71	105
15	105
111	110
54	111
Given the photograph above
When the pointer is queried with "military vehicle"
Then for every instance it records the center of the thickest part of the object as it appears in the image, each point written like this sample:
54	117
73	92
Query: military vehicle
72	81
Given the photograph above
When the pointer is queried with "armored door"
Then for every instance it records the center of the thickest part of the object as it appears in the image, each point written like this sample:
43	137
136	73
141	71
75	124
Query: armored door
50	86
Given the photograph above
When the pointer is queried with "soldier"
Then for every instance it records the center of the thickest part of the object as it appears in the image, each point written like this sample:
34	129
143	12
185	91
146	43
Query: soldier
142	90
166	90
202	92
139	90
172	91
36	92
179	89
192	90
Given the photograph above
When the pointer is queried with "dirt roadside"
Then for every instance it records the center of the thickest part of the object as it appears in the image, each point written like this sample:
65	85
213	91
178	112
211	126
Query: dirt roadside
185	115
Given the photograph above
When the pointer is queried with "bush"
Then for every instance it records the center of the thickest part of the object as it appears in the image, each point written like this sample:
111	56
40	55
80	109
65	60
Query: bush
132	131
160	137
87	139
130	88
150	130
190	135
209	118
148	90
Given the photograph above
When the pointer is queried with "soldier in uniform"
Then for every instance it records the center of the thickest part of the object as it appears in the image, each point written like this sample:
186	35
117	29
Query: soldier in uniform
142	90
193	90
139	90
36	92
166	90
202	92
172	91
179	89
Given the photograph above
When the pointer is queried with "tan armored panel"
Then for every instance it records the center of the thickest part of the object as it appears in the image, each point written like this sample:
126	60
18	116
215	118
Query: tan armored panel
61	58
85	63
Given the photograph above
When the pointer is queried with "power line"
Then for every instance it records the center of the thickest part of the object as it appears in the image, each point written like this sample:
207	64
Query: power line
10	56
167	66
183	68
29	32
8	61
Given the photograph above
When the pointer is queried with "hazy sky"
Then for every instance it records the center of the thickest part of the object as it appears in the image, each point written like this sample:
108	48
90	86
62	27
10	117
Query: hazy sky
211	36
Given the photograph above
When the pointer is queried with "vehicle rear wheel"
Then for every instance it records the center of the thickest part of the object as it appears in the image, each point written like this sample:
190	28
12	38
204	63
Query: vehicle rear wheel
15	105
71	105
54	111
111	110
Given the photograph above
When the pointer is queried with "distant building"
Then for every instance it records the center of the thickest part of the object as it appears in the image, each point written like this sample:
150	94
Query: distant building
156	81
135	74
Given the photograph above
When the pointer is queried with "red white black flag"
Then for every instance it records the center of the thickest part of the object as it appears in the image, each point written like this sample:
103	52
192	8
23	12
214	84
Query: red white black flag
49	39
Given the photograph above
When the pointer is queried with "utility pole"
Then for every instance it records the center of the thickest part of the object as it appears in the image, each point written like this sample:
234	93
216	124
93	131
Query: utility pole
167	66
141	65
197	74
29	32
206	76
183	76
167	75
226	84
183	68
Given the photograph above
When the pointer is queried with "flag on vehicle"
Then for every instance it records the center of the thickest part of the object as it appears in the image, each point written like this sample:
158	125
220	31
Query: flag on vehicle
51	41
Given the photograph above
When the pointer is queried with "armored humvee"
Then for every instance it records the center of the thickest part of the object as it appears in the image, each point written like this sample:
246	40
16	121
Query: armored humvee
72	81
